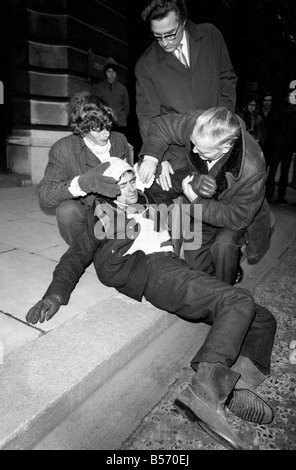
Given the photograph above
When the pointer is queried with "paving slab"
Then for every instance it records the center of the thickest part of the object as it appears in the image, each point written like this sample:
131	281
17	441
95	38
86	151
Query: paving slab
14	334
30	235
5	246
19	206
20	292
42	216
28	192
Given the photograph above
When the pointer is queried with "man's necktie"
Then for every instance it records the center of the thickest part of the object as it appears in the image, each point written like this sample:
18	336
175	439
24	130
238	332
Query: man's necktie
181	56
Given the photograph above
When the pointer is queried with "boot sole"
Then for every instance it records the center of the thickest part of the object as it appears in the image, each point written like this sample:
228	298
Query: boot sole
195	410
248	406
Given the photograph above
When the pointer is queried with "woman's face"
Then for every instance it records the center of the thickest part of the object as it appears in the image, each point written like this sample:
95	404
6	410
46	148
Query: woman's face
99	137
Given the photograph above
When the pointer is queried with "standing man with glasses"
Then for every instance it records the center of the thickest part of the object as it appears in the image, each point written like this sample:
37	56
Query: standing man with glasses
186	67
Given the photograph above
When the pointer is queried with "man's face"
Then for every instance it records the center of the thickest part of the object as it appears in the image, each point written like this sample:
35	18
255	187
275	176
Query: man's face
267	101
129	192
168	31
99	137
206	148
111	75
252	107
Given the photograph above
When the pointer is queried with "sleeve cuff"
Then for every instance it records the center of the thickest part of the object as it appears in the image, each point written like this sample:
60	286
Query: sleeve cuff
75	189
149	157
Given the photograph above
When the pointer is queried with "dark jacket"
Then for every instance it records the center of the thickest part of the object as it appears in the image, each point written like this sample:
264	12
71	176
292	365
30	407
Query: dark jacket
128	274
70	157
164	85
116	95
239	202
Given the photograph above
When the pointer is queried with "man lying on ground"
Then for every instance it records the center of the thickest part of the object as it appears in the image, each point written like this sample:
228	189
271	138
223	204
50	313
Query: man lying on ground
130	255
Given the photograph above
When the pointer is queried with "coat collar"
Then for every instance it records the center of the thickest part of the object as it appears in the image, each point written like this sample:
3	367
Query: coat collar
194	33
231	165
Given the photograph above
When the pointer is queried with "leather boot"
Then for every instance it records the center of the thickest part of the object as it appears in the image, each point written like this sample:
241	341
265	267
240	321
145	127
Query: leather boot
203	402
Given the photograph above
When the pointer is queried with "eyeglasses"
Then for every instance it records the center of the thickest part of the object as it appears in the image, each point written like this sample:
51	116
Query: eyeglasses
168	37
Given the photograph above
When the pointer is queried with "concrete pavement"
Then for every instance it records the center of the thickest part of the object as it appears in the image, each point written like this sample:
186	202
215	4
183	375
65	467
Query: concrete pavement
47	371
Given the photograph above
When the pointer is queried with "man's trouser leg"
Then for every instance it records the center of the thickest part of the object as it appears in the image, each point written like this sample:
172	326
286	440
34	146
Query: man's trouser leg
71	219
195	296
219	253
284	178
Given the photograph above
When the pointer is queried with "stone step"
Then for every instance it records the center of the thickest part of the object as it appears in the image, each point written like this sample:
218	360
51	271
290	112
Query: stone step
46	379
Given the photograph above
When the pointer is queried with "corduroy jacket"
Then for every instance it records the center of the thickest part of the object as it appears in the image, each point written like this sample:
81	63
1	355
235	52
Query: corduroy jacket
68	158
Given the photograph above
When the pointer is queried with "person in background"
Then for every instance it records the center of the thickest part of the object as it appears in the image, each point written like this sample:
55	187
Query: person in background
139	261
73	175
267	113
283	146
186	67
254	122
115	94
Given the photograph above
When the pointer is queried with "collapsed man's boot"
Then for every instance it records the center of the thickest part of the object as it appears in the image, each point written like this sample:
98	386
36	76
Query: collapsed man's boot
203	401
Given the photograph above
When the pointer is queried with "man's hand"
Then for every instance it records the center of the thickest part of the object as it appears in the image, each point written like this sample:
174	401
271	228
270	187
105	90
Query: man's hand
164	178
45	309
95	182
187	188
199	185
204	185
146	170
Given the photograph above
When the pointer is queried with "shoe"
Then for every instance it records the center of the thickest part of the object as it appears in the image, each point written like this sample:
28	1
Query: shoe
248	406
203	403
239	275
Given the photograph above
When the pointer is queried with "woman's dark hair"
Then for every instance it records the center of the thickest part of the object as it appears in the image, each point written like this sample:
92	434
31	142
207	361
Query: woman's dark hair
89	113
159	9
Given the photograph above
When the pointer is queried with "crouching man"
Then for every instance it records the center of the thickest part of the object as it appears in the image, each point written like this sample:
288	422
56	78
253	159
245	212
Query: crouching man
130	255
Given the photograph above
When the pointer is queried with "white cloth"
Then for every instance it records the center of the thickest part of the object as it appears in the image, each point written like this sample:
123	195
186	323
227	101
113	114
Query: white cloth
148	239
139	185
100	151
75	189
117	168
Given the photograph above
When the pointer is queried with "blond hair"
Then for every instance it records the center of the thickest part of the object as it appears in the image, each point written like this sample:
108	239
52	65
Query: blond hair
220	125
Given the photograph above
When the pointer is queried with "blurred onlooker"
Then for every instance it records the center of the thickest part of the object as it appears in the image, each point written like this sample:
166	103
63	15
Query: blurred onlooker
115	94
254	122
267	113
283	146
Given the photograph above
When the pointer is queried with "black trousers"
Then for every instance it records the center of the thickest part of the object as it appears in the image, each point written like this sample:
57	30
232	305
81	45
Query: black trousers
238	325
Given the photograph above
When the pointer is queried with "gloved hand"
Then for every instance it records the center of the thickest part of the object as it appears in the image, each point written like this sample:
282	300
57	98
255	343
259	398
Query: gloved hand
45	309
204	185
95	182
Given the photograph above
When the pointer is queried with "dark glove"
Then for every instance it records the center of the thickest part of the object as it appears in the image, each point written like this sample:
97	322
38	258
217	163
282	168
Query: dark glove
95	182
45	309
204	185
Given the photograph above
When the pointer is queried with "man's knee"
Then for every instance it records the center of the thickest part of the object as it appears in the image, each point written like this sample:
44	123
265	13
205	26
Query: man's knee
227	237
70	211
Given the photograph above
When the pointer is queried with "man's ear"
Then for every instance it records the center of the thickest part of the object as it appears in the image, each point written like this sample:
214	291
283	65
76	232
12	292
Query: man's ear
226	147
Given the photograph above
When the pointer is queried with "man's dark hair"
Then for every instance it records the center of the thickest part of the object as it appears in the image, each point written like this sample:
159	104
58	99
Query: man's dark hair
89	113
159	9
